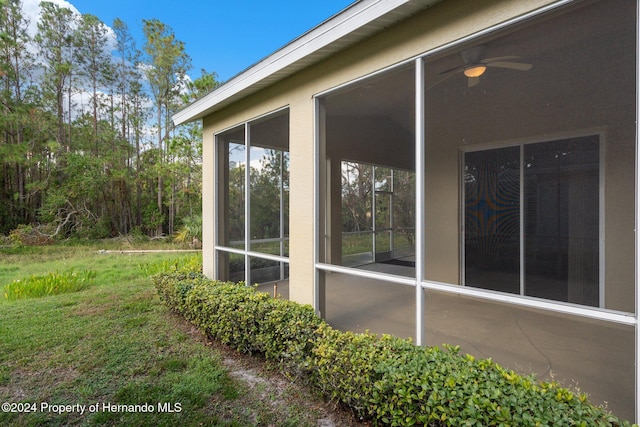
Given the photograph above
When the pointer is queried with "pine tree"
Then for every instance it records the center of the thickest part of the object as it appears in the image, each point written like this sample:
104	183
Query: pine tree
167	65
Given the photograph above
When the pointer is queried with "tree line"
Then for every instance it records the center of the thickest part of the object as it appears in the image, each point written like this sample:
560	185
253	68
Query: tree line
87	145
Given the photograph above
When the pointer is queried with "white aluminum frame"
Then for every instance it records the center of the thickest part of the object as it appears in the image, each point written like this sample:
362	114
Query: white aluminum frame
420	198
246	252
637	276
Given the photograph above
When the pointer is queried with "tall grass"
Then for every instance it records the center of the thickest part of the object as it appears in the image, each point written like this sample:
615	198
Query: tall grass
187	263
49	284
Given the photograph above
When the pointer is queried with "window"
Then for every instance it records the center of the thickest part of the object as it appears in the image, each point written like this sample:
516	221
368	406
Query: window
532	227
378	223
253	202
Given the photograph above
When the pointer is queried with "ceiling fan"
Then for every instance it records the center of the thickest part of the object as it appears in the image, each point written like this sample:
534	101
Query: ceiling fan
475	64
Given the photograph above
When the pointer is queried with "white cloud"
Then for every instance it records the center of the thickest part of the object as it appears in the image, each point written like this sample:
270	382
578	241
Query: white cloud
31	11
80	99
183	84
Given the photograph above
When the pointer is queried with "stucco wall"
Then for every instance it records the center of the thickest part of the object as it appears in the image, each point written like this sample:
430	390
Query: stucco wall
446	22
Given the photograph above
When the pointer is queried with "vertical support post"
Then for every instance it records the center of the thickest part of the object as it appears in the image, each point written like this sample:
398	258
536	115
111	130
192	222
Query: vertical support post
637	225
219	158
374	217
247	203
420	197
392	220
281	235
221	209
637	275
523	260
321	225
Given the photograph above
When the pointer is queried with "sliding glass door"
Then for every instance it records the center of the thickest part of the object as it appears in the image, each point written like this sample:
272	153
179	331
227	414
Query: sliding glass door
532	219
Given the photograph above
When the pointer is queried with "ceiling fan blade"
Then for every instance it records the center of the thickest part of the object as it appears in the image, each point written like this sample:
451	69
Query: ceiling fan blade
438	82
452	70
473	81
499	59
520	66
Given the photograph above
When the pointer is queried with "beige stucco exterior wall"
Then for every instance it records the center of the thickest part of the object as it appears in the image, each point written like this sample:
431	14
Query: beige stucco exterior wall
446	22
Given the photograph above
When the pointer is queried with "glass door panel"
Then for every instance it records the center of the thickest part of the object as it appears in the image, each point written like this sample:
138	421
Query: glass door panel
234	192
561	205
492	219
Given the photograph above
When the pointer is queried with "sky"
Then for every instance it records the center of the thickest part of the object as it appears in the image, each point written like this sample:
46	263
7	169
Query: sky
222	36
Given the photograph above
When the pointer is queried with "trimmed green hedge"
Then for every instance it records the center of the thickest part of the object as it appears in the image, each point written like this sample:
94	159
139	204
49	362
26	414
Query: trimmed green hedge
387	380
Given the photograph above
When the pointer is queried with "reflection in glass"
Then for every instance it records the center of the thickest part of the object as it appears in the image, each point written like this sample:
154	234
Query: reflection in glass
269	184
267	207
267	271
561	219
492	219
383	246
383	210
231	190
236	267
561	181
236	193
378	218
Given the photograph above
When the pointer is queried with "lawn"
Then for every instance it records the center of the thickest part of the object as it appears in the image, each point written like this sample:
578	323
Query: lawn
112	354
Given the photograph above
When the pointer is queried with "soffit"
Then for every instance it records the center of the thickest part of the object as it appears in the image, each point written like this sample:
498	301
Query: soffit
357	22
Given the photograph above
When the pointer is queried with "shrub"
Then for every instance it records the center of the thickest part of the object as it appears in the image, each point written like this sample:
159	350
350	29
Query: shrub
30	235
49	284
240	317
387	380
190	231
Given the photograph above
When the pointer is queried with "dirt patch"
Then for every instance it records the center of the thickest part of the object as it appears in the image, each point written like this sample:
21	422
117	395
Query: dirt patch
280	395
22	382
281	399
91	310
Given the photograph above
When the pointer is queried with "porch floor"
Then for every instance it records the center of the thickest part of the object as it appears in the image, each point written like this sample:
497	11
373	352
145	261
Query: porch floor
594	356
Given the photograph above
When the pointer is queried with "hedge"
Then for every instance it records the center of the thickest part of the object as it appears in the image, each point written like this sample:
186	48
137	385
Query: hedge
386	380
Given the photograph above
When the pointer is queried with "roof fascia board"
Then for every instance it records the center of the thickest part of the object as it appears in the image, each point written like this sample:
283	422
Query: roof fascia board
333	29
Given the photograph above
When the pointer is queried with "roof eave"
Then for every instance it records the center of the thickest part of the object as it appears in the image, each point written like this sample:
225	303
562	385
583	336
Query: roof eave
355	23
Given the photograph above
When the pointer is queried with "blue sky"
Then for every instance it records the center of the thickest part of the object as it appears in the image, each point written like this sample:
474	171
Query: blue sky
225	36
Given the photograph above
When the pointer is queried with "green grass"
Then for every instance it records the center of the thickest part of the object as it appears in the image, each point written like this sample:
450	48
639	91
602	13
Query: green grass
49	284
362	243
112	343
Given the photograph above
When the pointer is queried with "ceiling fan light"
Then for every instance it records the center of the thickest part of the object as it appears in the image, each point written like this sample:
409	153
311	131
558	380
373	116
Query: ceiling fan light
475	71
